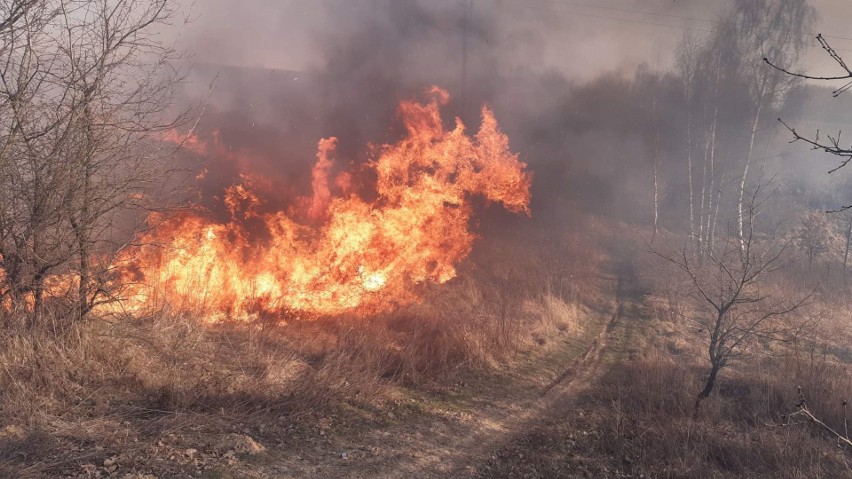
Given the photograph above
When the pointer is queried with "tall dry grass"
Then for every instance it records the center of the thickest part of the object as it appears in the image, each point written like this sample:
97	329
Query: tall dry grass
641	414
643	411
504	300
643	408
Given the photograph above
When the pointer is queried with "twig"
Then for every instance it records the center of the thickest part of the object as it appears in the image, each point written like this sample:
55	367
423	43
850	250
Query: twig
804	411
834	56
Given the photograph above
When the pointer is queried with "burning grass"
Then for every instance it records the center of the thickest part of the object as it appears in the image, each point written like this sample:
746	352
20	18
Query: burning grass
137	369
334	252
289	312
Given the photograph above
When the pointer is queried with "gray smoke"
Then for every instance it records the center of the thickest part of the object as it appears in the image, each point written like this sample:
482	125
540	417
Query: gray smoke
582	91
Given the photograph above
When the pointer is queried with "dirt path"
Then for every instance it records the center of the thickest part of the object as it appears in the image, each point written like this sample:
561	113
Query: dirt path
587	367
453	441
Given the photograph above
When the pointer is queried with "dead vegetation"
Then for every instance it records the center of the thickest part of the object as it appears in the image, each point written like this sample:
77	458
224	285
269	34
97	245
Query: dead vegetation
743	432
126	392
639	420
754	426
135	371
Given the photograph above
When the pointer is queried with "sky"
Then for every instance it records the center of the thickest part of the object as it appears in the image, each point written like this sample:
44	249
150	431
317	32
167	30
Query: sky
580	39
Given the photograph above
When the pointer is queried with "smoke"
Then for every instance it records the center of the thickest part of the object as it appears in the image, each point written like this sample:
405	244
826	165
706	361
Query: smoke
586	93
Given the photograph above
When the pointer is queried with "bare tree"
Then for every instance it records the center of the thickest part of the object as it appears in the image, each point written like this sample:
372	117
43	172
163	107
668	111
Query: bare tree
728	64
846	75
688	63
733	302
752	31
84	90
32	239
706	221
123	98
13	11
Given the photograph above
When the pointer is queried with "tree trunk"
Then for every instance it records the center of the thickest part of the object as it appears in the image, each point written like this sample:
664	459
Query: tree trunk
83	228
716	212
656	202
708	386
689	168
712	176
467	6
754	125
846	251
85	276
38	299
708	243
656	180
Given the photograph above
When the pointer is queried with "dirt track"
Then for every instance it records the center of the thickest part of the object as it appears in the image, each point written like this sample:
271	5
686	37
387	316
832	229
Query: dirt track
456	442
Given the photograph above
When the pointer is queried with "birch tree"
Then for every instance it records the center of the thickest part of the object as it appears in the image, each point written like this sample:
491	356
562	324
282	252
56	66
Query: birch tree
751	32
688	58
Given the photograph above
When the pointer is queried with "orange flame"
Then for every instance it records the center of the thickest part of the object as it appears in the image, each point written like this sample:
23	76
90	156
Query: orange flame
319	179
355	256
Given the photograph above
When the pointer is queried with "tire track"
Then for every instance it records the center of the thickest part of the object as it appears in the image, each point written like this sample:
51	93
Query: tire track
441	447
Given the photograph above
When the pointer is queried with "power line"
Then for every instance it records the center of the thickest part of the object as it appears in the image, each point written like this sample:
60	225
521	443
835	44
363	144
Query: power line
467	5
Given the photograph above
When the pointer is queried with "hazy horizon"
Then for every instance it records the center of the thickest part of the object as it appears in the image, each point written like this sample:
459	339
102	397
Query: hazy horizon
581	40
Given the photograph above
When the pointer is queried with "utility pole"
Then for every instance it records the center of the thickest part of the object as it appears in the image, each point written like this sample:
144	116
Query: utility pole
467	6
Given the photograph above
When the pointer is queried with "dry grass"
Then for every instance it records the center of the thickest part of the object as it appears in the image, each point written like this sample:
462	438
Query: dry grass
642	411
640	419
644	416
503	302
111	382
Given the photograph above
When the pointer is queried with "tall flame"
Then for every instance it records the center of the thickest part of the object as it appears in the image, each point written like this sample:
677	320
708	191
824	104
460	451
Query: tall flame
353	255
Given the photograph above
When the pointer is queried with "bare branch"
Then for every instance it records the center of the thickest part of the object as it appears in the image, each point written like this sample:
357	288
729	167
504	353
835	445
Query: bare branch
847	75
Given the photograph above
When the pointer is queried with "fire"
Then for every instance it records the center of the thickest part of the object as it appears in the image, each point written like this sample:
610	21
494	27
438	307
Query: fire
339	253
